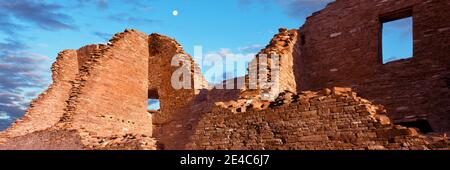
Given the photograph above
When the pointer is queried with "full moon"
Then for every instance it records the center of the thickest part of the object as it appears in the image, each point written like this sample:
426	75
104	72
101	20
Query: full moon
174	12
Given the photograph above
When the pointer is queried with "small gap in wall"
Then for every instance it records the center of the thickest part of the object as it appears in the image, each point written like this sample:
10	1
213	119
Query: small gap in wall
153	104
422	124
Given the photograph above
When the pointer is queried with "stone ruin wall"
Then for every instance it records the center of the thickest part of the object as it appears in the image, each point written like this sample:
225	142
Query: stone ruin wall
341	46
162	49
94	108
177	133
100	99
283	46
176	106
76	104
53	100
113	74
330	119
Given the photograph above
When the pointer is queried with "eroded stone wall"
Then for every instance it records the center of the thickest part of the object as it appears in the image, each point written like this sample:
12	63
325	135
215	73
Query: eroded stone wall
330	119
100	94
278	76
164	50
113	74
83	100
341	46
98	99
49	107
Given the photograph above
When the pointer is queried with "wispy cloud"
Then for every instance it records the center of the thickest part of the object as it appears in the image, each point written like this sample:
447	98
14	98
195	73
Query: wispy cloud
251	48
20	70
7	26
302	8
12	105
124	18
294	8
248	2
403	27
4	116
20	76
224	64
44	15
101	4
11	45
105	4
103	35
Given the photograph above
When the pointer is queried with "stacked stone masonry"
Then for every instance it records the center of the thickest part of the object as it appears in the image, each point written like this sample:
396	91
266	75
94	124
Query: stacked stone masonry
87	102
333	90
341	46
52	101
278	58
331	119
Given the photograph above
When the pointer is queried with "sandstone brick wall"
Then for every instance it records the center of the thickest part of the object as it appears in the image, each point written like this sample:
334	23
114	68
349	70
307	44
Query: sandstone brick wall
341	46
98	99
177	106
109	96
175	134
100	96
84	53
101	101
279	71
331	119
48	108
162	51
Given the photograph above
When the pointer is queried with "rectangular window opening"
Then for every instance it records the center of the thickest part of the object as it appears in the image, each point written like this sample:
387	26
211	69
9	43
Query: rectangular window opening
153	100
397	36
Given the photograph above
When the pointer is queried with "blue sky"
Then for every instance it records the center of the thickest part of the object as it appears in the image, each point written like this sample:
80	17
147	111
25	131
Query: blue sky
32	32
397	40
